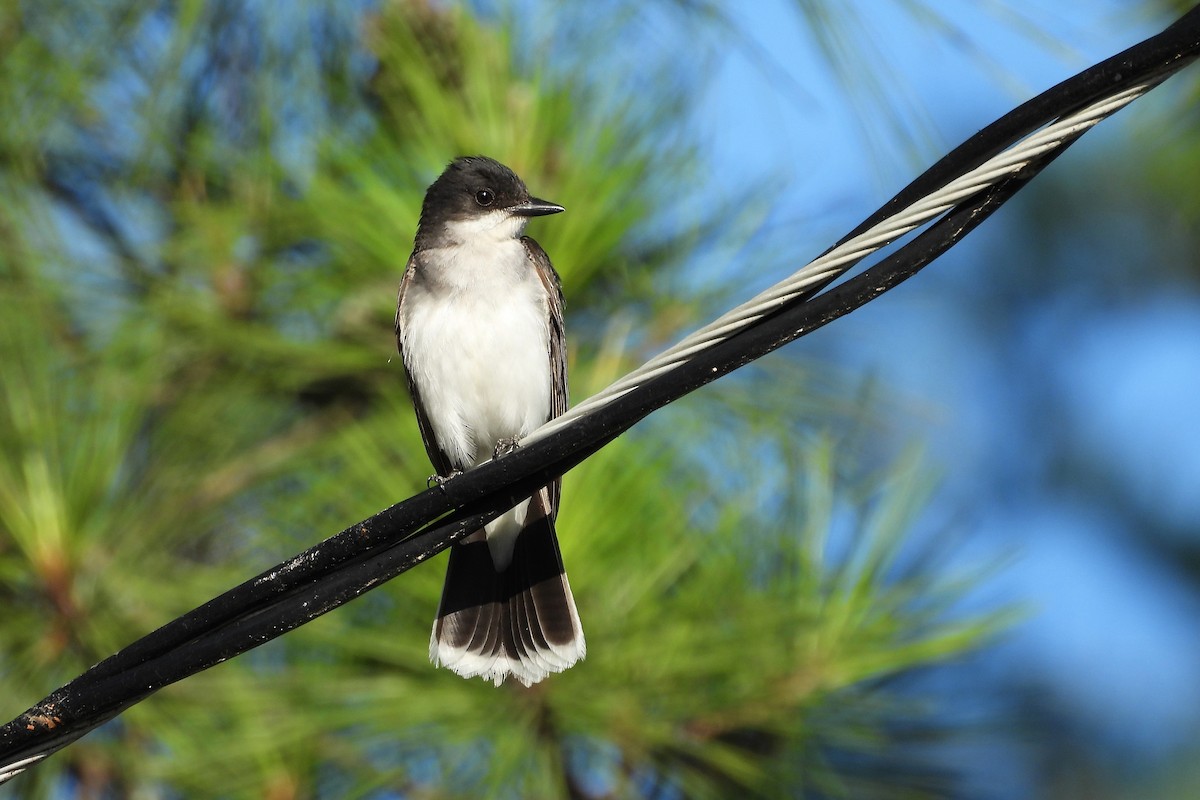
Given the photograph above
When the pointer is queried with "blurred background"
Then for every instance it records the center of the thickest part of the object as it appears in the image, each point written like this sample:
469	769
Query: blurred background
946	547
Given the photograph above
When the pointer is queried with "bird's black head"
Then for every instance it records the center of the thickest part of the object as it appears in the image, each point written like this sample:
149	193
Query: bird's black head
477	188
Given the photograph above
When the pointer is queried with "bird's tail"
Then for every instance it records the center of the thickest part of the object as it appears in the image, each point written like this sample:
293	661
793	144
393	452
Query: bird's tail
520	621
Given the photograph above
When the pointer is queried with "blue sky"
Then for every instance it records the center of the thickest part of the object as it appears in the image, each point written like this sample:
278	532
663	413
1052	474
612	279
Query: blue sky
1113	638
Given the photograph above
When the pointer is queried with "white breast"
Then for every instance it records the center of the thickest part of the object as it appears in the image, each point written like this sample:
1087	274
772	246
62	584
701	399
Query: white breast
474	330
475	338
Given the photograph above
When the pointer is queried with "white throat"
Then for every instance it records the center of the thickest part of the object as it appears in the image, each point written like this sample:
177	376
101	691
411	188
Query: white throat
491	228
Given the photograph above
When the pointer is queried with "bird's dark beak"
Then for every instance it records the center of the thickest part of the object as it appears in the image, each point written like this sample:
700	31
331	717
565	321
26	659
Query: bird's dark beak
533	207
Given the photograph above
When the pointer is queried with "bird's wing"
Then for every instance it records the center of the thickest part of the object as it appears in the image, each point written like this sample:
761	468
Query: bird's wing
559	396
441	462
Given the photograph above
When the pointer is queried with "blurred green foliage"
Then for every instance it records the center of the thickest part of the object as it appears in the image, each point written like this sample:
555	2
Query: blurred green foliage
206	208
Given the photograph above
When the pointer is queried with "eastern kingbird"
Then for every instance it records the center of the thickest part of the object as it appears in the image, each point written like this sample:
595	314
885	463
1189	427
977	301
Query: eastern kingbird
479	325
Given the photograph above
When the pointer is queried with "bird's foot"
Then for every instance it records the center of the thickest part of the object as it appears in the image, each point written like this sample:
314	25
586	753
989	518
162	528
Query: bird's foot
440	480
506	446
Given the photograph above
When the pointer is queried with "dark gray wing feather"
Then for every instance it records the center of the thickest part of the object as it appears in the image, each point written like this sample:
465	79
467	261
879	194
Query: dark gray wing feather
441	462
559	396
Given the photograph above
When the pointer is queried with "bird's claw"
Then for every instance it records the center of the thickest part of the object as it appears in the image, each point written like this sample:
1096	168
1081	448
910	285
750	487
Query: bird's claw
440	480
506	446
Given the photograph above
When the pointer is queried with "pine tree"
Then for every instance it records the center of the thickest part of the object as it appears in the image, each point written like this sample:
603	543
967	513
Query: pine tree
207	209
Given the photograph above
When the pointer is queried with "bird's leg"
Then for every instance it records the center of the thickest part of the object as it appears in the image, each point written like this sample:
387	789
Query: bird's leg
440	480
506	446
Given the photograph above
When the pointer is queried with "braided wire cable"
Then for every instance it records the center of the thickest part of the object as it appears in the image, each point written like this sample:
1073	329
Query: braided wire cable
826	268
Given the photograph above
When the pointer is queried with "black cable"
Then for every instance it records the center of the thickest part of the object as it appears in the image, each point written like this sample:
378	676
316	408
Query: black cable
393	541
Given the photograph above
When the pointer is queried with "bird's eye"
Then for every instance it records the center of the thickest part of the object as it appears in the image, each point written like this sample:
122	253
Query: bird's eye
485	197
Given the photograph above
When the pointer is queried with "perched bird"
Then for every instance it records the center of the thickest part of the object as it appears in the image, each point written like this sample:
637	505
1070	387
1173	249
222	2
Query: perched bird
479	325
